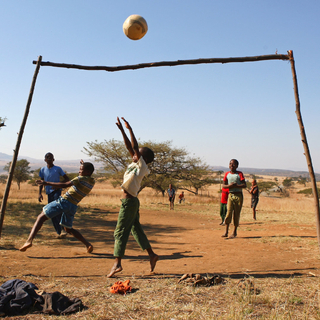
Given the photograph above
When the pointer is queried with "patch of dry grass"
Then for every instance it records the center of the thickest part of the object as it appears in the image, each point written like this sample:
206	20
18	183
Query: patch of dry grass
164	298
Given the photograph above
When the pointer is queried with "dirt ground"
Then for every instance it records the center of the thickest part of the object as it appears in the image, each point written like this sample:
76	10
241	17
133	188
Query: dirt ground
185	243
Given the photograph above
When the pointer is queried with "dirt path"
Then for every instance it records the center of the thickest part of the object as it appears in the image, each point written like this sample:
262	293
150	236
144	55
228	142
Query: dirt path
185	243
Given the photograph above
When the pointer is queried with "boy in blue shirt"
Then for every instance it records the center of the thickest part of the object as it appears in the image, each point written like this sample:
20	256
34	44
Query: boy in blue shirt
52	173
171	196
128	219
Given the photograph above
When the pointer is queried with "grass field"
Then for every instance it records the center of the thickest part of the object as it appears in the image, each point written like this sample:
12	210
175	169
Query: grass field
160	296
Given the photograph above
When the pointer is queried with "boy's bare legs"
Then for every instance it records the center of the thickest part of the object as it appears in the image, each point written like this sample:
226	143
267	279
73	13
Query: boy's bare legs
80	237
234	233
117	267
254	214
36	227
153	259
227	231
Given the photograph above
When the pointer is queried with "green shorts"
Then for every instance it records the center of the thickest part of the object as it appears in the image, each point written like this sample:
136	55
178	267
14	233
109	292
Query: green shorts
128	221
234	206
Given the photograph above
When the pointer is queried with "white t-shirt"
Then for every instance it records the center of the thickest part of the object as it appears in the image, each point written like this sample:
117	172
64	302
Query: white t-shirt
133	176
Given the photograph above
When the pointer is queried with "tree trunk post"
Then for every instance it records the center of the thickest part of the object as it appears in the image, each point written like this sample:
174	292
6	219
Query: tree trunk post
305	145
16	150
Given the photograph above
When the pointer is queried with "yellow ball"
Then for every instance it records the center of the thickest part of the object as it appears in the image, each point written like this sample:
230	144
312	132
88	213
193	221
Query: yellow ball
135	27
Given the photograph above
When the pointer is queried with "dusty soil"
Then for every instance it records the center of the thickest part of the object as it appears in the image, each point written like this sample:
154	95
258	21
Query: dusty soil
185	243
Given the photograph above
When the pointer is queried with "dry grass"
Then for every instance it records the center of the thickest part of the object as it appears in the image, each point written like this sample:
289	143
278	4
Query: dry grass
162	297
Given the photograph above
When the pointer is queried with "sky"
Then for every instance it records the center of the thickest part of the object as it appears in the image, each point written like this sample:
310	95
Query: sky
215	111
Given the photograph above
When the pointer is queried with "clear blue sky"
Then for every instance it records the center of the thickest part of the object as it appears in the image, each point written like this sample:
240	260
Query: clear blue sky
217	112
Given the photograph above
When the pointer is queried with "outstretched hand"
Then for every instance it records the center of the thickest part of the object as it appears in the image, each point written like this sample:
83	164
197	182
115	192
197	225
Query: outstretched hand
119	124
126	123
40	182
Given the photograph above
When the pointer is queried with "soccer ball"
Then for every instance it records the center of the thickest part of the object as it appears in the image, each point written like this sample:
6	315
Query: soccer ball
135	27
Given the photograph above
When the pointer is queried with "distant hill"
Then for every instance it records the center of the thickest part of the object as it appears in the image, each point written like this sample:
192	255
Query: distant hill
4	156
269	172
73	166
66	165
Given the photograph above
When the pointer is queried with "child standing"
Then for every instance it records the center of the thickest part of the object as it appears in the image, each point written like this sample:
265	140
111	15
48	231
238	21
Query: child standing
171	196
254	197
223	204
235	182
52	173
66	206
128	219
181	197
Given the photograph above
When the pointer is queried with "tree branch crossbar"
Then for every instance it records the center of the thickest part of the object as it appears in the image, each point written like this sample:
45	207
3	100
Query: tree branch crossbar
166	63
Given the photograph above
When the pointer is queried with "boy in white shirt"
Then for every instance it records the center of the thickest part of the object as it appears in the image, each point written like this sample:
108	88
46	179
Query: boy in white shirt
128	219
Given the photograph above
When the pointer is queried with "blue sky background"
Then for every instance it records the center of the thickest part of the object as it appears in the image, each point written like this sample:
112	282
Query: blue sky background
217	112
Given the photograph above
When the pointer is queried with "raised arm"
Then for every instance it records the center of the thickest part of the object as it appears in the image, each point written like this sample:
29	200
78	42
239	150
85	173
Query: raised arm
55	184
133	147
125	138
66	178
40	196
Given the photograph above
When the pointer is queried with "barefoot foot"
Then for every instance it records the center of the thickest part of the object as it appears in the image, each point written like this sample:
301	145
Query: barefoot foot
233	236
153	261
26	246
225	235
90	248
114	270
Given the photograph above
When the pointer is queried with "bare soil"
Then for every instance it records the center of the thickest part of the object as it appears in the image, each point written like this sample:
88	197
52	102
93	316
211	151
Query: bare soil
185	242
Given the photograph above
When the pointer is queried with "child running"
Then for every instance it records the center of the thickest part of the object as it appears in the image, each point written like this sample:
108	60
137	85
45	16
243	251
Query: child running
128	219
235	182
66	205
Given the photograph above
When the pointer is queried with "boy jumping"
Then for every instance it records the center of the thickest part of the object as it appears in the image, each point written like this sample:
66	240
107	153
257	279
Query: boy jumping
128	219
66	205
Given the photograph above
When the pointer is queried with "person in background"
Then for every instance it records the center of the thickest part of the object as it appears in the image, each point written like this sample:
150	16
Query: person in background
223	204
254	191
171	196
52	173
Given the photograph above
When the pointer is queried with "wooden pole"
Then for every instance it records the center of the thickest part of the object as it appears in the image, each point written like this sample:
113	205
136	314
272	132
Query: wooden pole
305	145
16	150
167	63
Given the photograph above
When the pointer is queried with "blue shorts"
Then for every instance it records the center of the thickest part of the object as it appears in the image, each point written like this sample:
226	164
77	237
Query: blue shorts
63	207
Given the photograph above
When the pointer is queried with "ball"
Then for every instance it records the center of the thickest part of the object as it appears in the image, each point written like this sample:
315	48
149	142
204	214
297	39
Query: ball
135	27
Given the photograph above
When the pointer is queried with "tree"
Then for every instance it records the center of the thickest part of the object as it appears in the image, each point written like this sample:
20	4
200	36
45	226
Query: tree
3	178
195	176
171	165
34	177
265	185
287	182
302	180
220	172
21	172
2	122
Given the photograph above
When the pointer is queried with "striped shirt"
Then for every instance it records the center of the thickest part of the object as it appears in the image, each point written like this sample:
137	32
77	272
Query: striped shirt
81	187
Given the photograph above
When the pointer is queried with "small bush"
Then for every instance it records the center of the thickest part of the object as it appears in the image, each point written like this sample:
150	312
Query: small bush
307	192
